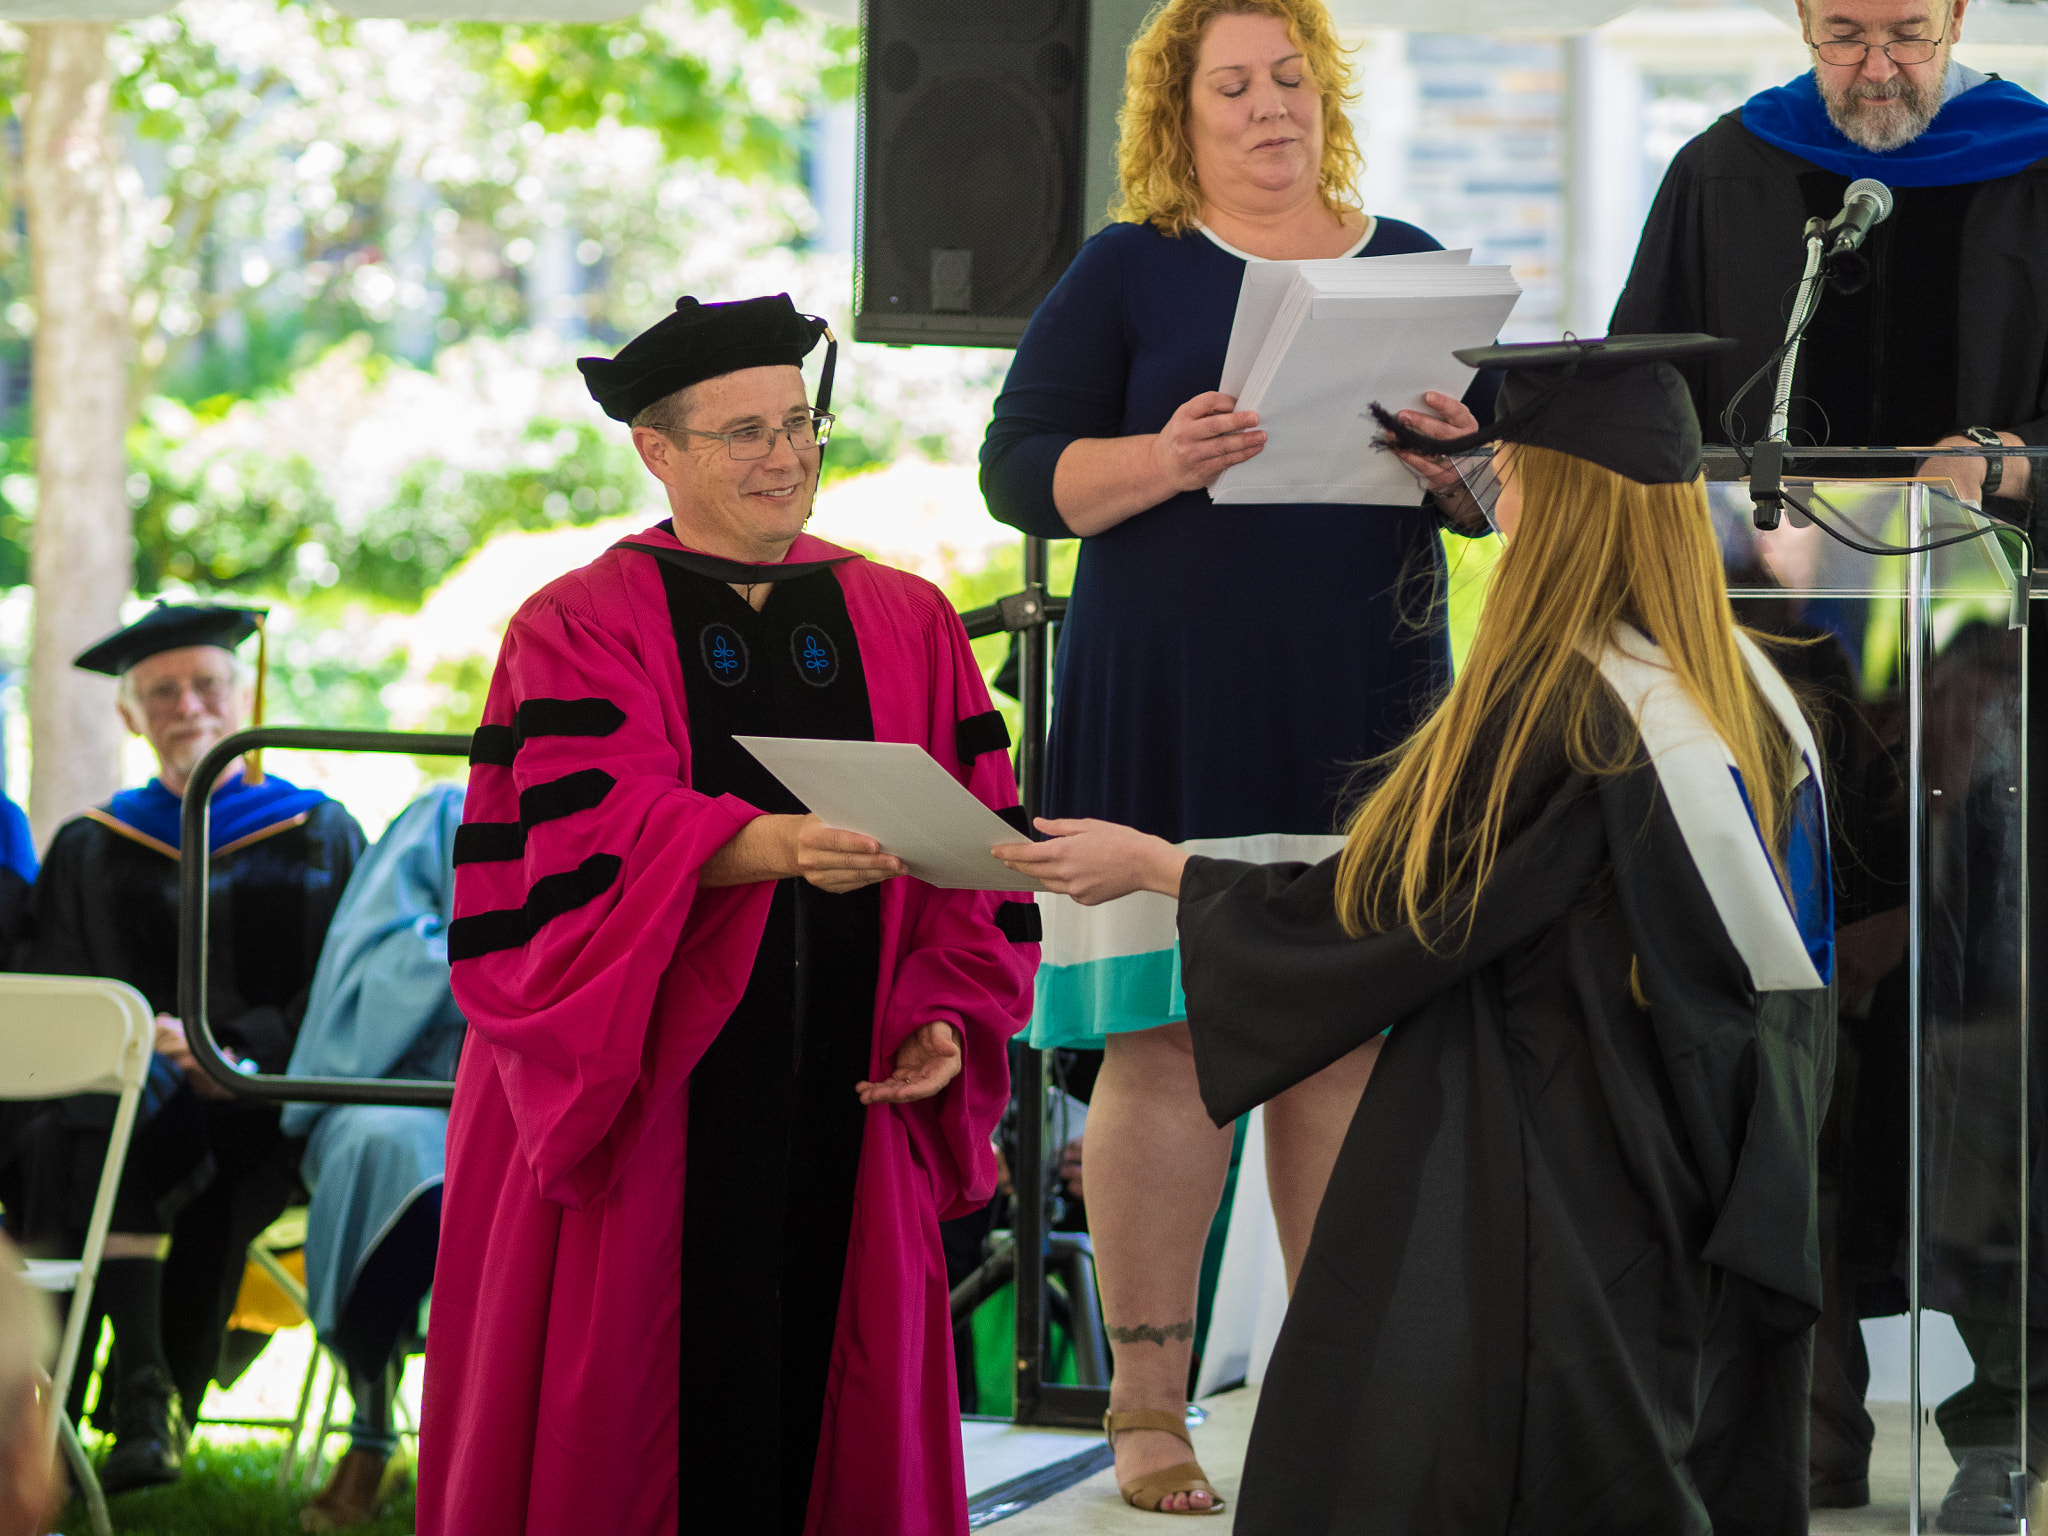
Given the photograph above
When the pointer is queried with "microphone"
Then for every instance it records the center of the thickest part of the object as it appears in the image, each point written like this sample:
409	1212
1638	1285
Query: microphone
1866	204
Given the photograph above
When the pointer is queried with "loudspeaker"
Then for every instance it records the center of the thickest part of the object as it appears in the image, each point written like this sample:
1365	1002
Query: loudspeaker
987	153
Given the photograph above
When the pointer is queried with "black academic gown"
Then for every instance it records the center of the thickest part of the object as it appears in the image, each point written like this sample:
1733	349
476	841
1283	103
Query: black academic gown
212	1173
1951	330
1562	1277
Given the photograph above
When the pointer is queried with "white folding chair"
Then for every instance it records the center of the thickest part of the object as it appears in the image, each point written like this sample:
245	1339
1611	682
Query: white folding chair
61	1035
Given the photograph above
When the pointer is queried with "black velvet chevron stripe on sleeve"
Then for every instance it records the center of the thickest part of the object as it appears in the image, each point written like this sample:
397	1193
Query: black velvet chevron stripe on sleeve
1014	815
565	796
486	933
493	746
497	745
567	717
488	842
980	733
1020	922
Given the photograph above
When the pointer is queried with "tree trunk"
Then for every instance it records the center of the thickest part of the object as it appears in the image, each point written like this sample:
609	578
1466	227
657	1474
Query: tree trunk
83	560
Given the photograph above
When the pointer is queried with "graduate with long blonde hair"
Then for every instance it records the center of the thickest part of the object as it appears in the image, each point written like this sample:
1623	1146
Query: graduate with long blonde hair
1566	1266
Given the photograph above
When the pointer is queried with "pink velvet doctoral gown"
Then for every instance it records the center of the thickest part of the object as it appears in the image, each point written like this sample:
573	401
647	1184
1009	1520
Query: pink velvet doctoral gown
556	1339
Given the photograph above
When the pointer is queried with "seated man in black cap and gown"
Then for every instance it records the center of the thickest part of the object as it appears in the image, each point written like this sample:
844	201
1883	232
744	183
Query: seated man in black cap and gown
1564	1275
724	1063
206	1172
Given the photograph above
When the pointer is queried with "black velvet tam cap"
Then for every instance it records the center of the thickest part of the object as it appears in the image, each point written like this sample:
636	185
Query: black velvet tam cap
169	627
699	342
1617	402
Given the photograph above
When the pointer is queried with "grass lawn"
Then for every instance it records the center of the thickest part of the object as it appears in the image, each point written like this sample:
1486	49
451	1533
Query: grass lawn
228	1487
227	1490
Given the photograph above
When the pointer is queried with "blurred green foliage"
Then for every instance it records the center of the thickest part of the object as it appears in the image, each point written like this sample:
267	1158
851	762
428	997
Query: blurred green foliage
575	77
248	521
300	179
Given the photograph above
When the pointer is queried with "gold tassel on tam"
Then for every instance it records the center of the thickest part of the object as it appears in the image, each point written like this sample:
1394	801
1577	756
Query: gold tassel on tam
252	762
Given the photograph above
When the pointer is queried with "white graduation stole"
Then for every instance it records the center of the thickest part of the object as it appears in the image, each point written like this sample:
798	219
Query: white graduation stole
1705	792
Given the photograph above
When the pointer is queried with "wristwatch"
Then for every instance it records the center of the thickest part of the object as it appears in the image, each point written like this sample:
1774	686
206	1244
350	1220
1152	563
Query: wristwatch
1994	464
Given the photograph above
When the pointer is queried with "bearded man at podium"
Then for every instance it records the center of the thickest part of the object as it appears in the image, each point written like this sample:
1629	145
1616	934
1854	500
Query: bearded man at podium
1945	344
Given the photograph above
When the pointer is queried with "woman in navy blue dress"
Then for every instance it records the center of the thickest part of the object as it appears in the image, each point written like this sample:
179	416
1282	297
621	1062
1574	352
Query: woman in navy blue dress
1223	670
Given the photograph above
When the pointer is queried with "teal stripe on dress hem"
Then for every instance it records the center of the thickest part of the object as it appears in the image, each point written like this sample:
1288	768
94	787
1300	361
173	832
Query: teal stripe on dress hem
1077	1006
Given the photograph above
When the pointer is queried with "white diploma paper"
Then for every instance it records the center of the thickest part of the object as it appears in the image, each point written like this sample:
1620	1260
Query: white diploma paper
897	794
1265	288
1315	342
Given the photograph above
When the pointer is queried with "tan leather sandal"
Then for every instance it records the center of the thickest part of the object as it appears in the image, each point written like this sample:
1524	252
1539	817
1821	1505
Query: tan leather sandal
1154	1488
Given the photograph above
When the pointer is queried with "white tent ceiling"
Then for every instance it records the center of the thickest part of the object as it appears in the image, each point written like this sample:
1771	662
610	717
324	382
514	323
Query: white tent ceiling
409	10
80	10
1989	21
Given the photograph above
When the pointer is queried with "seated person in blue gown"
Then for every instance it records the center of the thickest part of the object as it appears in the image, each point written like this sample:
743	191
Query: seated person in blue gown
380	1008
17	874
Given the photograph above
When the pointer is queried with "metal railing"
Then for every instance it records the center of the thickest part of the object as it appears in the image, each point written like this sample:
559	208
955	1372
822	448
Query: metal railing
195	875
1028	615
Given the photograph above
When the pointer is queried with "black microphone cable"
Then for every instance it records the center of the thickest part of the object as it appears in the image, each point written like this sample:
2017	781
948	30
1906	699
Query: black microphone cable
2022	574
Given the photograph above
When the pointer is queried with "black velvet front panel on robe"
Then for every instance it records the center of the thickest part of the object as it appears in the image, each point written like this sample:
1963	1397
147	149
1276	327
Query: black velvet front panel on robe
1954	322
775	1126
1562	1277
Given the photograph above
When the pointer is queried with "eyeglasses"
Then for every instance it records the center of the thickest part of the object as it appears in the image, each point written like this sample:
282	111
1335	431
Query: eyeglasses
758	442
1846	51
162	697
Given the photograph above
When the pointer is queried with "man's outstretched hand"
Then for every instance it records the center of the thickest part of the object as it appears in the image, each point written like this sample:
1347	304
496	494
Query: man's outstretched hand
779	847
925	1062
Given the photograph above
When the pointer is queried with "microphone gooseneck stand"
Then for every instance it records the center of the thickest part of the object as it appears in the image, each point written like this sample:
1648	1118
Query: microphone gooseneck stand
1831	246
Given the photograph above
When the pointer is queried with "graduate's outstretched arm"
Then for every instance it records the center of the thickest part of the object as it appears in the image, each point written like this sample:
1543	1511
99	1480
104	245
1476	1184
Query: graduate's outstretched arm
1097	861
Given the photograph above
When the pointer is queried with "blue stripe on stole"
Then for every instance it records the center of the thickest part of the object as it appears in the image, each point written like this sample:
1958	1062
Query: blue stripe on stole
1808	870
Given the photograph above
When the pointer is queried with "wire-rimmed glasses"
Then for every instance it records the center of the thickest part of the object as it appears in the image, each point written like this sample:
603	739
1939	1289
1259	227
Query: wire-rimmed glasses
758	442
1847	52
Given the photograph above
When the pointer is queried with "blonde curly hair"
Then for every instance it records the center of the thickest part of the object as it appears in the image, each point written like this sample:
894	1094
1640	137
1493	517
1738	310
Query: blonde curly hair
1155	162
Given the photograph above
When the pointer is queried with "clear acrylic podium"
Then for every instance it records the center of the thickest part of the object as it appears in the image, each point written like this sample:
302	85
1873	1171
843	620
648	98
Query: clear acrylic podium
1917	675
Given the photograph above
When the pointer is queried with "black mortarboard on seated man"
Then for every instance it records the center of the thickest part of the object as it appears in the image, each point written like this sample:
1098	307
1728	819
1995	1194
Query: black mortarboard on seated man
173	627
1617	402
169	627
703	341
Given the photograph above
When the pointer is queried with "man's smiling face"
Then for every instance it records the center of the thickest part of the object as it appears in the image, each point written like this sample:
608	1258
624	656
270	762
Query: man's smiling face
745	509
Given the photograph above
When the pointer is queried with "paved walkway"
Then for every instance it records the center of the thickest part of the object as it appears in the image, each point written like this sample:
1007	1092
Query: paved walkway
1092	1508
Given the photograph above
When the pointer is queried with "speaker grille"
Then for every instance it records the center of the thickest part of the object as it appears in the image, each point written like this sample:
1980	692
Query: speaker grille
974	165
970	182
898	68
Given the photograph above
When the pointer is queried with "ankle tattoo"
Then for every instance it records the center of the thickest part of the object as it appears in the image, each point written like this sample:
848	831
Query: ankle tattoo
1146	1333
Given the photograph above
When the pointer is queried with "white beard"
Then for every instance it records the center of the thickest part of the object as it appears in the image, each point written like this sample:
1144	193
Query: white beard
1909	110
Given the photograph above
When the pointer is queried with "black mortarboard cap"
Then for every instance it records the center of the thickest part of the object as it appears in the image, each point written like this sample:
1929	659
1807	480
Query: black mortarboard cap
1616	402
169	627
702	341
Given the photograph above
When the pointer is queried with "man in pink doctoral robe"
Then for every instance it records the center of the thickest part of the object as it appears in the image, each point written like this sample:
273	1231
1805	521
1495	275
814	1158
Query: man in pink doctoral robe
727	1068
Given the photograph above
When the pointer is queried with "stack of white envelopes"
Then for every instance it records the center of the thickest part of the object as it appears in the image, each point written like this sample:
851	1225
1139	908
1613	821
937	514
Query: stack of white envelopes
1316	342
